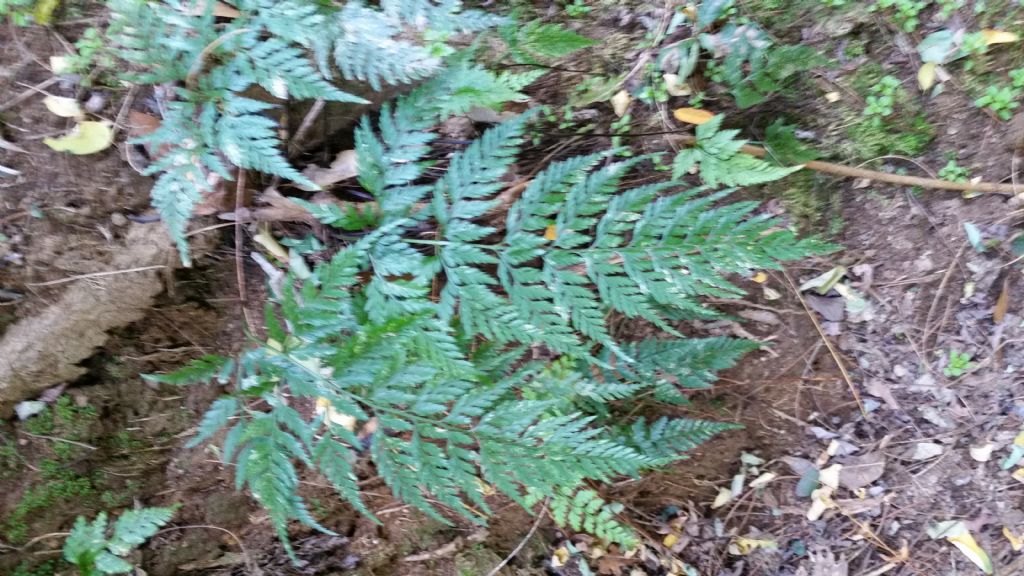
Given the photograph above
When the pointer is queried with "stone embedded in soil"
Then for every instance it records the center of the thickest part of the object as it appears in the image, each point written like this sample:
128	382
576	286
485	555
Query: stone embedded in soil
46	349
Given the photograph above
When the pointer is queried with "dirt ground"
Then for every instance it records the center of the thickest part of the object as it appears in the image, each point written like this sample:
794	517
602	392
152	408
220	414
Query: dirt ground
918	443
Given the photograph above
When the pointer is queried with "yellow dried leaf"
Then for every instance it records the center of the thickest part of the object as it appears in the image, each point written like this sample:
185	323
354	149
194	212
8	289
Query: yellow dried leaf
742	546
43	11
1019	439
692	115
60	64
560	557
760	278
1016	542
926	75
620	102
1018	475
670	540
63	107
265	239
966	543
333	415
551	233
998	36
485	488
723	498
1002	303
763	479
86	138
833	97
676	87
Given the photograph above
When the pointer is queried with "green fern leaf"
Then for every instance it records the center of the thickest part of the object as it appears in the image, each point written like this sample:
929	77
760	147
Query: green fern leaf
202	369
134	527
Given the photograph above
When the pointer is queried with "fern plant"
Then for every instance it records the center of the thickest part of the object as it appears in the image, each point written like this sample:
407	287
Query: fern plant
98	549
463	346
212	117
717	156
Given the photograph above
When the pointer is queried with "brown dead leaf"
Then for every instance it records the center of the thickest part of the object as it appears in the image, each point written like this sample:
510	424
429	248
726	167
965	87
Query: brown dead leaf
880	389
693	115
344	166
1003	303
220	9
862	471
998	37
612	565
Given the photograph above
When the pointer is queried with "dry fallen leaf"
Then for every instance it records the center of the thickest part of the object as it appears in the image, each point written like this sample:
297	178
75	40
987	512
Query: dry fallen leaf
760	278
741	546
344	166
998	37
956	533
763	479
862	471
723	498
63	107
674	87
551	233
670	540
333	415
220	9
620	102
832	97
1016	542
879	388
821	500
86	138
60	64
692	115
926	75
925	451
1003	303
982	453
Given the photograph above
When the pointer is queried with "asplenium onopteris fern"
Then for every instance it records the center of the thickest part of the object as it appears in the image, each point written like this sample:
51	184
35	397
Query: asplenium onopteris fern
208	68
718	157
475	334
95	549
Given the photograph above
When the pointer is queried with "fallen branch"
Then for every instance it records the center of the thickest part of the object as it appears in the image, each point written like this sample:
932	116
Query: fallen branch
850	172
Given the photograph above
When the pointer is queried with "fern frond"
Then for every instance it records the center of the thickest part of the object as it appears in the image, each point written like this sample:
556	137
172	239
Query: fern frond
202	369
586	511
717	154
134	527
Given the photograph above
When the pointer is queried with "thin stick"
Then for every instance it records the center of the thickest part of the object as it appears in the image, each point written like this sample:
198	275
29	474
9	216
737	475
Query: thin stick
295	144
536	523
57	439
938	296
37	89
828	343
249	562
197	64
96	275
850	172
239	270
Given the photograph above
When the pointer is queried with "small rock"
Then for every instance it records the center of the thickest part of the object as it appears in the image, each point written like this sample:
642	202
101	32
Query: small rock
97	101
900	371
982	453
924	264
925	451
118	219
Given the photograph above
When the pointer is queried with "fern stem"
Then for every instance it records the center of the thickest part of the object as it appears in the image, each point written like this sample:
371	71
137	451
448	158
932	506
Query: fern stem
197	64
495	248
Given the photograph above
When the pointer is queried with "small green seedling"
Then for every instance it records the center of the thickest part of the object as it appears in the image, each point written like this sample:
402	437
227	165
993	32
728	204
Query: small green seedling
959	364
954	172
1000	100
94	553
